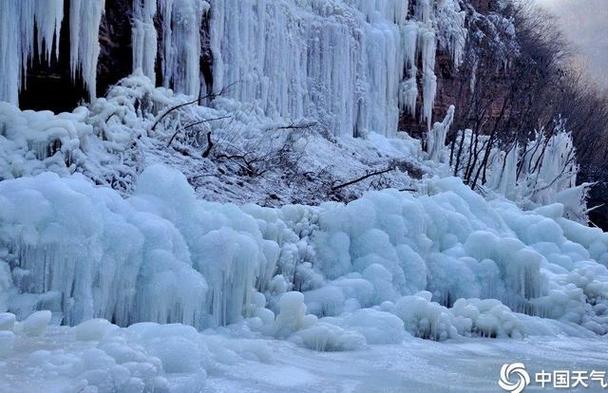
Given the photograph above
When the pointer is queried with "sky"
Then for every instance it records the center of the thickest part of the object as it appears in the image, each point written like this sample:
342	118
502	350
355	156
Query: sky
585	23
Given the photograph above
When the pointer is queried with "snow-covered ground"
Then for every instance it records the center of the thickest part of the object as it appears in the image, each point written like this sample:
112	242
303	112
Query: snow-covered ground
102	358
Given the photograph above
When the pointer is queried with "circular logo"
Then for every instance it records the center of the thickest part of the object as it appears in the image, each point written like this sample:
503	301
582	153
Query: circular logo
513	377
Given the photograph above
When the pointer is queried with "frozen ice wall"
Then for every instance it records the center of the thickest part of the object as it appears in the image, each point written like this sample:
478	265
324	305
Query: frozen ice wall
341	62
350	64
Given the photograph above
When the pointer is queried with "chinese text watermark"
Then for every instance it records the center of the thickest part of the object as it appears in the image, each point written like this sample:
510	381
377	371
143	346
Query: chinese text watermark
515	378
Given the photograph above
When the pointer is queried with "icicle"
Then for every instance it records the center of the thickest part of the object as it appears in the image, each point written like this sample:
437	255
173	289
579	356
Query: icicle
450	20
473	81
168	53
19	19
182	43
429	80
408	95
85	18
49	15
144	37
438	135
289	64
10	57
508	177
410	43
424	11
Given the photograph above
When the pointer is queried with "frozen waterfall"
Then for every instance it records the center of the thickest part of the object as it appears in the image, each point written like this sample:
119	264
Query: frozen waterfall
350	64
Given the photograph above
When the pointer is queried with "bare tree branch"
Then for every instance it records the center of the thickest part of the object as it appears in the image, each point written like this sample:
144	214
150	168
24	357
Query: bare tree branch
360	179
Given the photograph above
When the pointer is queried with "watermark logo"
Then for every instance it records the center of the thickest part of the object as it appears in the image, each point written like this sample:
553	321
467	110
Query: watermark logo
513	377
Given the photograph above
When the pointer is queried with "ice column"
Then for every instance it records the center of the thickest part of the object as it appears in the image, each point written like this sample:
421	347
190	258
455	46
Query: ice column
438	135
182	43
85	18
144	37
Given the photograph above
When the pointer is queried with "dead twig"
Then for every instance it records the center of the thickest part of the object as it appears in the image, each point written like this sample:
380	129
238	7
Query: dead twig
360	179
294	126
196	123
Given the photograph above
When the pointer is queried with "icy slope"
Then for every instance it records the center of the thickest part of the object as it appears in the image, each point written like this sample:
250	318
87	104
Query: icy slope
252	158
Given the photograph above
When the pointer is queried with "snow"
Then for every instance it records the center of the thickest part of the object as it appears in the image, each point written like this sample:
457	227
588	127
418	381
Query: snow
173	358
110	142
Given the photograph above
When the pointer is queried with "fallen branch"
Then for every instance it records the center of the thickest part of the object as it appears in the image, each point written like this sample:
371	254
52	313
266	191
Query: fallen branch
360	179
196	123
294	126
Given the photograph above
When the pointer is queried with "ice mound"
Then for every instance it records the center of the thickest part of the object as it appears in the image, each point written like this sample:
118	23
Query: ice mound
97	356
444	262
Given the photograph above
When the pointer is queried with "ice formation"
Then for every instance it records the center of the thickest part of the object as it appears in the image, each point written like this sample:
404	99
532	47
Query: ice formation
85	18
182	44
98	356
301	57
22	25
438	135
180	37
437	262
162	255
542	172
209	264
349	64
144	37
